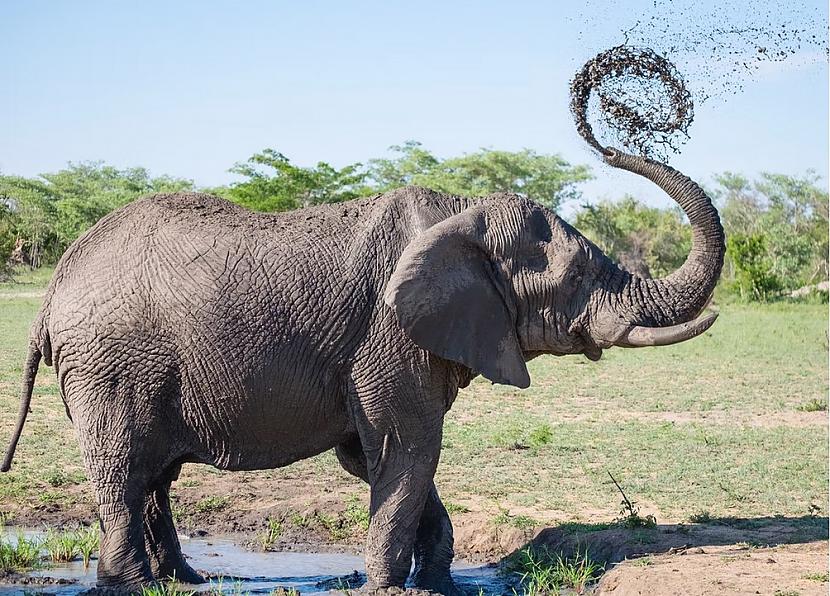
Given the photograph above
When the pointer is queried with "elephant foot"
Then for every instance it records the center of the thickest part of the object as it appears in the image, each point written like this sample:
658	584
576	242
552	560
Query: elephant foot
175	567
186	575
117	587
442	584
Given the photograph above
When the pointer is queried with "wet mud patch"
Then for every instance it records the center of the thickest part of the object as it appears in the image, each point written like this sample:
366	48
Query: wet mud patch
230	568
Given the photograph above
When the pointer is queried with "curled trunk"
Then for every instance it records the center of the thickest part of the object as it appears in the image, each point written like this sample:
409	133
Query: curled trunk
681	296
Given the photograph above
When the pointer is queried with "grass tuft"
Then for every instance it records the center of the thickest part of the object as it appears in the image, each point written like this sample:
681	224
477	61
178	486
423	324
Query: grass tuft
814	405
357	514
272	533
818	577
211	504
21	555
540	435
701	517
523	522
169	588
455	508
542	572
62	547
630	514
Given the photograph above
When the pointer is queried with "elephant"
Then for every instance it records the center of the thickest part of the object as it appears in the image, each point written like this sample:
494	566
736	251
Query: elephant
184	328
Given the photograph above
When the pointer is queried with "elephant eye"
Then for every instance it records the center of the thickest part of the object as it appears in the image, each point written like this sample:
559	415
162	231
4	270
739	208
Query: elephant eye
538	263
574	279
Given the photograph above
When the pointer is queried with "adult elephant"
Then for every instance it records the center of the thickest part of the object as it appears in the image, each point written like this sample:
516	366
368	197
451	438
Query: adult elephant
184	328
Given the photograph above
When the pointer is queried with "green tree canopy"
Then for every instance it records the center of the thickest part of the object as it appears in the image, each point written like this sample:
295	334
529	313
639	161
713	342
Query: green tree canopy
273	183
49	212
548	179
648	241
779	230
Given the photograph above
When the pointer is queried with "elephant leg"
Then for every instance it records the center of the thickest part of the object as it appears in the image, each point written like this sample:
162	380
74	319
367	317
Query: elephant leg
122	560
160	537
434	548
433	540
400	477
121	451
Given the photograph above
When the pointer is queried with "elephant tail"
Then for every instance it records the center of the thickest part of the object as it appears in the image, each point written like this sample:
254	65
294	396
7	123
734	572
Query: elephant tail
29	373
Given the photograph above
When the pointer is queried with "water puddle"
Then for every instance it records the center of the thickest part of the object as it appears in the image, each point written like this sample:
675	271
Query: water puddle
243	571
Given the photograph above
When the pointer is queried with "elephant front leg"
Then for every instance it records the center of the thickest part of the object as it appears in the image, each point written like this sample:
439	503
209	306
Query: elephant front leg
401	479
161	539
434	548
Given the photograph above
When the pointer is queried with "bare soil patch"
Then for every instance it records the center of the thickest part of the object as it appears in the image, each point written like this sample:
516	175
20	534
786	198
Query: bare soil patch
787	569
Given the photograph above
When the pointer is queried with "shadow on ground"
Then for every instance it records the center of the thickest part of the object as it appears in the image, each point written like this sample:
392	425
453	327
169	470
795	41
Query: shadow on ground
608	544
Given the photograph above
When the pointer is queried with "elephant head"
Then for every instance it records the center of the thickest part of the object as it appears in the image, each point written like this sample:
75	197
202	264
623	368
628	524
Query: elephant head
506	280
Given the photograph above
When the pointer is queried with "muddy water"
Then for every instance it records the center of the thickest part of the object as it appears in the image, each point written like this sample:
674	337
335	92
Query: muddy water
255	572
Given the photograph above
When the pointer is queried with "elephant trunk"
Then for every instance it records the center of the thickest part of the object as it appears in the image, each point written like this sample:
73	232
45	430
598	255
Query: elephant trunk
671	302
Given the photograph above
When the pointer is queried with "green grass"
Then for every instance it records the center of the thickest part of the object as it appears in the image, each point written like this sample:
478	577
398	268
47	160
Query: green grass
272	533
66	545
61	546
211	504
700	517
27	280
357	514
171	588
522	522
453	508
715	425
19	554
542	572
814	405
818	577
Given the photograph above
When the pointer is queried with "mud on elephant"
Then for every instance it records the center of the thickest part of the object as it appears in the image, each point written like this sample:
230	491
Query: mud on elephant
183	328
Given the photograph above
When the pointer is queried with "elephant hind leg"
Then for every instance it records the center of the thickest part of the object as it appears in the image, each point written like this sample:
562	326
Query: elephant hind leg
352	459
124	449
160	537
122	561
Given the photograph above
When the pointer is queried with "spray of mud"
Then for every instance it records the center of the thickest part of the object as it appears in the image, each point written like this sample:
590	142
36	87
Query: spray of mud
638	100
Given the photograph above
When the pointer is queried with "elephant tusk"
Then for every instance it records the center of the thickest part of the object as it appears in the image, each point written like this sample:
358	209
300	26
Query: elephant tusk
639	337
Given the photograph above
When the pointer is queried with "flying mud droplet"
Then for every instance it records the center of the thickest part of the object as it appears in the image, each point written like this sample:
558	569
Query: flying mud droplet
638	99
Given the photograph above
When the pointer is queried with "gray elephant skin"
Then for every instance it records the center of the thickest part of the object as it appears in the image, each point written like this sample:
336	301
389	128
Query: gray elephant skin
183	328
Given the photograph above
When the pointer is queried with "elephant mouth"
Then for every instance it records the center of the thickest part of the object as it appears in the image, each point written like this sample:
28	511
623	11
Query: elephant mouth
589	347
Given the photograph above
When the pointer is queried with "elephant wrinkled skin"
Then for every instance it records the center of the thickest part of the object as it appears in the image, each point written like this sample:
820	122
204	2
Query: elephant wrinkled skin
183	328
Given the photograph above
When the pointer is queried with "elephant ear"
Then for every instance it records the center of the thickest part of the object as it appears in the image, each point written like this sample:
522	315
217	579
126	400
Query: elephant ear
450	300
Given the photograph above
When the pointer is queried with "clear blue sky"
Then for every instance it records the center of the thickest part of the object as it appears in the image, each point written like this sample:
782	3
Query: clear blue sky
188	88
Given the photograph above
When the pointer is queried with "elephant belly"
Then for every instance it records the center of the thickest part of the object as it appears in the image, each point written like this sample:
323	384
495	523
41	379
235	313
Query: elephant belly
267	429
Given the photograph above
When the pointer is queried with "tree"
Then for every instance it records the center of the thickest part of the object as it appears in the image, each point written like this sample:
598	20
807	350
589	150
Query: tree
647	241
754	276
274	184
548	179
49	212
780	226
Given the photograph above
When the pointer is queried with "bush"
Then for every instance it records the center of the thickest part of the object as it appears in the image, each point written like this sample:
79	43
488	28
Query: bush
754	278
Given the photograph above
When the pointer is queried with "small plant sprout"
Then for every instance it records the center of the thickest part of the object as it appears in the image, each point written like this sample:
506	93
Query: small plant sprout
629	512
272	533
89	540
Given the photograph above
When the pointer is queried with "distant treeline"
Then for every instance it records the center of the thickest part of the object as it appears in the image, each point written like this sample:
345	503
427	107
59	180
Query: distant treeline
777	228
